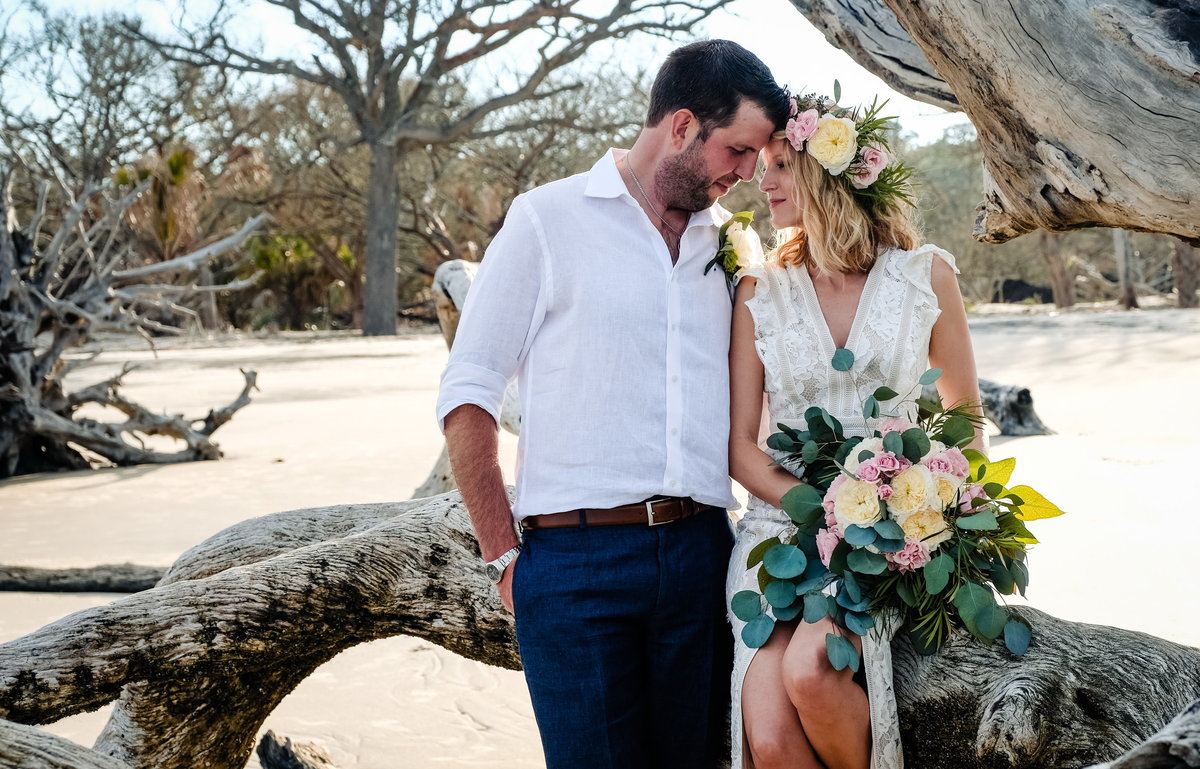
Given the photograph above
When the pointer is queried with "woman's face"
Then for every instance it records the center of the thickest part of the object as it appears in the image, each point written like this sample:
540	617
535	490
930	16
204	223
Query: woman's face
780	188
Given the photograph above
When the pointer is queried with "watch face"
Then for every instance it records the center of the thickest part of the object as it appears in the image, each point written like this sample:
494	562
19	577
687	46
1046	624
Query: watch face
492	572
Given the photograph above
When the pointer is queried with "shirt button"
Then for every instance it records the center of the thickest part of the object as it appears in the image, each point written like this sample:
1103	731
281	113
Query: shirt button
675	378
675	431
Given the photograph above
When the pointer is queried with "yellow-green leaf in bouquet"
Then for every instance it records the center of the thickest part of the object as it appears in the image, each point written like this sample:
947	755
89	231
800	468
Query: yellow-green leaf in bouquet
1034	506
999	471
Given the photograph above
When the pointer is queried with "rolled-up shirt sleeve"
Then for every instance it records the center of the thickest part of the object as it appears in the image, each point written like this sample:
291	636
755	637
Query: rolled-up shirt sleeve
504	307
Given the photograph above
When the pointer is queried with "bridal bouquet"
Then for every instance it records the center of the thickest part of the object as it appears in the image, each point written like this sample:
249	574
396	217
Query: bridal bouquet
904	522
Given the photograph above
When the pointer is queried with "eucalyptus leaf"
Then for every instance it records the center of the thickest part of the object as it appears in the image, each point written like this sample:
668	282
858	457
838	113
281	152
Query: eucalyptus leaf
916	444
930	376
789	613
757	631
889	529
785	561
780	594
937	573
1017	635
843	600
859	623
746	605
889	545
894	442
957	431
884	393
841	652
904	589
759	550
843	360
974	601
815	607
870	408
1002	578
850	586
811	451
982	521
866	562
859	537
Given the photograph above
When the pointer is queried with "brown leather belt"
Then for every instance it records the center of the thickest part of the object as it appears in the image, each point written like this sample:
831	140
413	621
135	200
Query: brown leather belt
652	512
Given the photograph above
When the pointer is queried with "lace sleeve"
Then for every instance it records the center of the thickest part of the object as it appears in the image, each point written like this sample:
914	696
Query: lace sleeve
767	322
917	267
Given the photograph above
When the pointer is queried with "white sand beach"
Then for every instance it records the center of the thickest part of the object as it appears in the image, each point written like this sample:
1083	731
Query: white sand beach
345	419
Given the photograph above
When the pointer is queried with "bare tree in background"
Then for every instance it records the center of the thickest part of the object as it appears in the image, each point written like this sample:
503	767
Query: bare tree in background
390	61
1124	253
1185	266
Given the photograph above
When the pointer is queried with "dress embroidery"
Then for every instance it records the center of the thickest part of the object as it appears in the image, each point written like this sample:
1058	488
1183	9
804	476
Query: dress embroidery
890	341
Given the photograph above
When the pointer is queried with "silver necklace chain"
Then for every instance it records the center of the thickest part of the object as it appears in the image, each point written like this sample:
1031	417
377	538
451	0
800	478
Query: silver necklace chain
646	197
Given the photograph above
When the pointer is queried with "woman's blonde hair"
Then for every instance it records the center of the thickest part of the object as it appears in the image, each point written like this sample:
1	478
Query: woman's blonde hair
839	233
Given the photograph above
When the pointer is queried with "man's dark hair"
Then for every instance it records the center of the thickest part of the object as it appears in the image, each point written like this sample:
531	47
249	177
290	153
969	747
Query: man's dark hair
711	78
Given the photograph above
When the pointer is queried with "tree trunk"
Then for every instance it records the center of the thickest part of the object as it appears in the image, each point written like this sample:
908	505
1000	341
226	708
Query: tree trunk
380	303
118	578
1096	152
1123	252
200	661
1062	283
1185	264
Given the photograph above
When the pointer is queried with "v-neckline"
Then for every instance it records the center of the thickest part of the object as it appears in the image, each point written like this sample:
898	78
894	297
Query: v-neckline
864	299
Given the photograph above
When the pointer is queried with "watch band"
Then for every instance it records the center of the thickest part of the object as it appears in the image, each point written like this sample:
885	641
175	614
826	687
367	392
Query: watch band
495	569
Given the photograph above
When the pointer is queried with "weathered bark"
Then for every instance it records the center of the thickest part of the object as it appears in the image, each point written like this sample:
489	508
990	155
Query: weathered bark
1010	408
54	292
1123	252
1123	76
1061	281
24	747
380	301
276	753
114	578
201	660
1175	746
1185	264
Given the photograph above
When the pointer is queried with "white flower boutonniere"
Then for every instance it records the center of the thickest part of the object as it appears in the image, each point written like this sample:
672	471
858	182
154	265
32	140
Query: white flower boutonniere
737	245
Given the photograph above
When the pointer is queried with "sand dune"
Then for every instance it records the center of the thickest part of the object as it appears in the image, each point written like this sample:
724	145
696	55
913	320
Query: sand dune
347	419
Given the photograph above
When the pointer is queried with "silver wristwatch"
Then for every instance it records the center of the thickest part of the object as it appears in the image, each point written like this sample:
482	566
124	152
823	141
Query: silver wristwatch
495	569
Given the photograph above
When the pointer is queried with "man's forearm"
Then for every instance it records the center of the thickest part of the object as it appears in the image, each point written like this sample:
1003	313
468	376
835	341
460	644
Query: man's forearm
471	436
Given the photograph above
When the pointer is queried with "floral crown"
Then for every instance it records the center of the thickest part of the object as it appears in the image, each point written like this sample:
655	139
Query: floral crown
851	147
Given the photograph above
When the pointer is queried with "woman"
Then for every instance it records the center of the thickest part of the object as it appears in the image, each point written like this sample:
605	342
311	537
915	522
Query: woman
849	272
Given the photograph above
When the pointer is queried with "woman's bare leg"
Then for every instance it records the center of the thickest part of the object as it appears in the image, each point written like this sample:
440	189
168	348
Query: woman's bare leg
769	719
832	708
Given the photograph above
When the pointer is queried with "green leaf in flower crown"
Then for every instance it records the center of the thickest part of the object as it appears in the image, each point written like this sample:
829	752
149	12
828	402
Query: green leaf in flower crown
930	376
759	550
1035	506
860	537
916	444
746	605
866	562
816	606
780	594
1017	635
894	442
802	503
843	360
811	451
859	623
981	521
885	393
784	561
758	631
841	652
937	573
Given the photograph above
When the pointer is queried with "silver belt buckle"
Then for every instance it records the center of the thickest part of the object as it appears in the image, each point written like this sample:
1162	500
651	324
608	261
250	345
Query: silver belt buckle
650	513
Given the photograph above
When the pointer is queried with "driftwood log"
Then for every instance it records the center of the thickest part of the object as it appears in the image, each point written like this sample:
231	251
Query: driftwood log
1175	746
275	752
197	663
1087	112
112	578
57	288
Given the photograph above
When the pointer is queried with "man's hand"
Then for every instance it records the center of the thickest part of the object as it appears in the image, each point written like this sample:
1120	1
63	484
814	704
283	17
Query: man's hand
505	586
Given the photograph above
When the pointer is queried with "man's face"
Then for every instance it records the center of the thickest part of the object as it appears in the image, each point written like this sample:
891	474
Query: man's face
706	170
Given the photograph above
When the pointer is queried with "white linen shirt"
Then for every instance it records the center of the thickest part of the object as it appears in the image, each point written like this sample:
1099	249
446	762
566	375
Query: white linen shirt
621	358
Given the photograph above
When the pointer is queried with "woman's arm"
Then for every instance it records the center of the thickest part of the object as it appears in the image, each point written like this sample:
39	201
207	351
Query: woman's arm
950	348
748	464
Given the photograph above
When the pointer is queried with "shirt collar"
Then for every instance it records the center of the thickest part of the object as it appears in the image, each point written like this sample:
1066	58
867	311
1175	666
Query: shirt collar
604	181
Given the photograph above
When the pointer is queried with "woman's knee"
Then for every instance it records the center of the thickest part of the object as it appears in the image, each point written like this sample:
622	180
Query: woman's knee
808	678
775	746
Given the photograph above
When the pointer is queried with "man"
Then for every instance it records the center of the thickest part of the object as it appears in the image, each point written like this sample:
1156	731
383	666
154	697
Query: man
594	295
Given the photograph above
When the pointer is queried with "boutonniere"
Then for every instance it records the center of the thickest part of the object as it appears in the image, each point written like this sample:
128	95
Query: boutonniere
736	242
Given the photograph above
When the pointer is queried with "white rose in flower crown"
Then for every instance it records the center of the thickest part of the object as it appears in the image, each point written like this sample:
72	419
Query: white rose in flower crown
913	490
873	445
927	526
856	502
745	244
834	144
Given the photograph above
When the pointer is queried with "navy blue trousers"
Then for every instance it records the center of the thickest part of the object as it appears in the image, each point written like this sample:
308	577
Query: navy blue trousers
625	643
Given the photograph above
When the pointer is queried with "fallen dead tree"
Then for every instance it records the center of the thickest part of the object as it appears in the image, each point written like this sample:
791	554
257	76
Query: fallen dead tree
197	663
110	578
60	286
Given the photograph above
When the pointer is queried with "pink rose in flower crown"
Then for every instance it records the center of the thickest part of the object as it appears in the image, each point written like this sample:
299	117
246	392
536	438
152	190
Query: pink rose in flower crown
885	492
869	471
872	160
913	556
801	127
973	491
893	425
826	542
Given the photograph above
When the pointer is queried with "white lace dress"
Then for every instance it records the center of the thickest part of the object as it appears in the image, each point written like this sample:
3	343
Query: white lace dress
890	341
